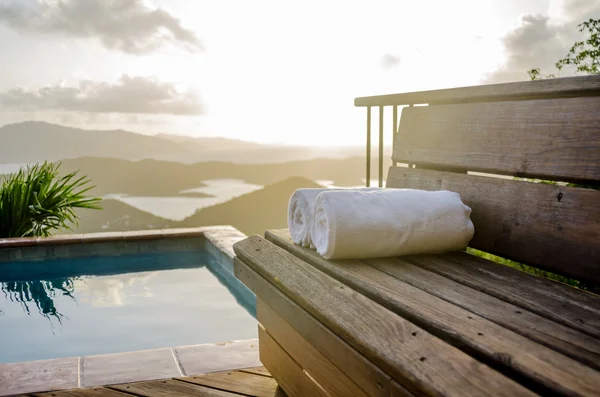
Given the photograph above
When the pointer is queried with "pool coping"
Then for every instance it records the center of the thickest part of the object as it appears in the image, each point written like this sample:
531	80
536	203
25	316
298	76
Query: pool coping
70	372
136	366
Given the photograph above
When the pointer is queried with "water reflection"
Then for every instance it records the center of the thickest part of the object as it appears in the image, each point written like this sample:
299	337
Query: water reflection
41	293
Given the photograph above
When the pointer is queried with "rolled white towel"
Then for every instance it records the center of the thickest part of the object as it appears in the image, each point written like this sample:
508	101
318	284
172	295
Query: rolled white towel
389	222
301	210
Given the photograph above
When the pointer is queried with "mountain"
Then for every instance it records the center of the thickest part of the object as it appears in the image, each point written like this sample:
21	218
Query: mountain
211	142
162	178
252	213
34	141
116	216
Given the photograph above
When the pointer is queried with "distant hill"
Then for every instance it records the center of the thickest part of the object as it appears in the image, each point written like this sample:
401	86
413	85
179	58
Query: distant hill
254	212
116	216
210	142
34	141
161	178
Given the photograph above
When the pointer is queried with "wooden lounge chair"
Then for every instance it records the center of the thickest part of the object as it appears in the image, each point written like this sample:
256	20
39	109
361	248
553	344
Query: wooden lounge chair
455	324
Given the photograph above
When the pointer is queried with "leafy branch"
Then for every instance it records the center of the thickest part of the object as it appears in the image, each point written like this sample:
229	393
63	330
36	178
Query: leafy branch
38	201
584	55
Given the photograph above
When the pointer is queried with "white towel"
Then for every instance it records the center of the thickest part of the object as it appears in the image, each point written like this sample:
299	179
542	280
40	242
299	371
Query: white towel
389	222
300	213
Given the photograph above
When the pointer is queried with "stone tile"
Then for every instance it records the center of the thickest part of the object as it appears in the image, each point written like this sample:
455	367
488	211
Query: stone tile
201	359
102	237
194	231
152	234
18	242
220	242
128	367
61	239
36	376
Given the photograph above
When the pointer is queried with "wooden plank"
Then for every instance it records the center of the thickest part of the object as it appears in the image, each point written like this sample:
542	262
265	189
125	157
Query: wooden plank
288	373
551	227
327	375
399	391
555	139
257	371
170	388
88	392
487	340
237	382
564	339
560	303
525	90
364	373
425	364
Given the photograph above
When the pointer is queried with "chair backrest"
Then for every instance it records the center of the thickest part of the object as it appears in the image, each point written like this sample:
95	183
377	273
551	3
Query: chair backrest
548	130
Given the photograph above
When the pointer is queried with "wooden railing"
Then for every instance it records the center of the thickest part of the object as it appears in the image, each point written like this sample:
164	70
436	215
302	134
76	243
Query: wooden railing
526	90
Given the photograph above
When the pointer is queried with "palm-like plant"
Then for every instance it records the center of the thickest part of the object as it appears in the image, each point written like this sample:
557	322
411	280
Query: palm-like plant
38	201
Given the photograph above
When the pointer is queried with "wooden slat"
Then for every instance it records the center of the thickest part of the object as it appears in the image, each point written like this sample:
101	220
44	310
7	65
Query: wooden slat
490	341
575	344
555	139
170	388
327	375
560	303
550	227
89	392
237	382
256	370
526	90
366	375
283	368
426	364
399	391
563	339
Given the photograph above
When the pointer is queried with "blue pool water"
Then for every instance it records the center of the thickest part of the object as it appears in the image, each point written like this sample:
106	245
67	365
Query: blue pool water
86	306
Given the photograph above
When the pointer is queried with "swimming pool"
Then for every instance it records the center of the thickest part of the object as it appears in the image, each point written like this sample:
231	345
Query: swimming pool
107	304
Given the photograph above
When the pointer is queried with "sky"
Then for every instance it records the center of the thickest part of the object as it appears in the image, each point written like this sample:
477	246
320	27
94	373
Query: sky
270	71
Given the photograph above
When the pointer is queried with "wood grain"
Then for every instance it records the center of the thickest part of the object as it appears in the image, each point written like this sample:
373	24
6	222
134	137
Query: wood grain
574	308
491	342
364	373
237	382
170	388
285	370
555	139
425	364
527	90
88	392
257	371
327	375
555	228
399	391
564	339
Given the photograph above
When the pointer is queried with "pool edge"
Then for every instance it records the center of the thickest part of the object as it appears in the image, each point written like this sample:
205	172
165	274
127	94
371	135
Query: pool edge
97	370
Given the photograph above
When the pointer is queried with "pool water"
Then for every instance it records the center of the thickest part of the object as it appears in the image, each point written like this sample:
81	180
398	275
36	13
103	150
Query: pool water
87	306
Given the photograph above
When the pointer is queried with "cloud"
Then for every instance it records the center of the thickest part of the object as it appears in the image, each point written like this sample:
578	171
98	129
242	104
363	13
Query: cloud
389	61
130	26
539	41
130	95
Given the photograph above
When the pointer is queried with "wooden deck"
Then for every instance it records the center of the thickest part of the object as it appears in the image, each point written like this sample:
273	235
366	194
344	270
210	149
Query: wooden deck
450	324
255	382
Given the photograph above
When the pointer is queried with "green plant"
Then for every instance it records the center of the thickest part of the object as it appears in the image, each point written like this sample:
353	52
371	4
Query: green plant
584	55
37	201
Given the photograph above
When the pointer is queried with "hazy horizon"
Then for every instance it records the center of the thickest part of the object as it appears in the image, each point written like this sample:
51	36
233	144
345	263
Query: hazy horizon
262	71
